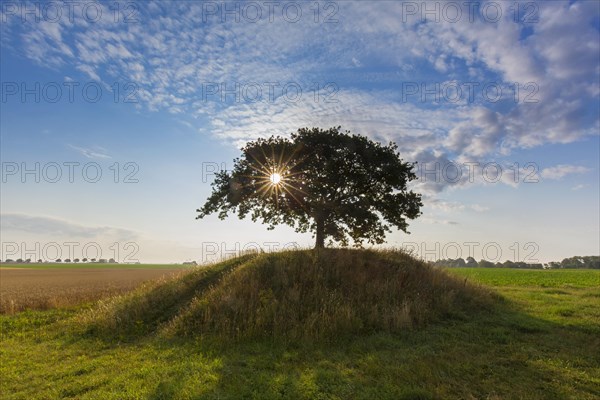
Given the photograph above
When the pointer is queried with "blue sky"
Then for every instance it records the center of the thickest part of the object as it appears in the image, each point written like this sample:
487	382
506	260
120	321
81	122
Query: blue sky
184	84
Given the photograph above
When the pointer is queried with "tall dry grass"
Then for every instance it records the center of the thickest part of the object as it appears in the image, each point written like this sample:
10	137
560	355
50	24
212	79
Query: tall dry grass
325	293
154	303
305	294
297	294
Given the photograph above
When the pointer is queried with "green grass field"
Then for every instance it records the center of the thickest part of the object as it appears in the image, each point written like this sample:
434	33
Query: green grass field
552	278
540	341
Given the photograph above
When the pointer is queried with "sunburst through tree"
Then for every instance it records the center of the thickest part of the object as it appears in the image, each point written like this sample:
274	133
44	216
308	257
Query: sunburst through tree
334	184
272	170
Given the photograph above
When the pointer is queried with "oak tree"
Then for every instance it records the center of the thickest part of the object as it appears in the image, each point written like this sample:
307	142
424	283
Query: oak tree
335	184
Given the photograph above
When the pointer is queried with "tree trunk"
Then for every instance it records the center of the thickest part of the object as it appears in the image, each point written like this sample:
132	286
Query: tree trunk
320	242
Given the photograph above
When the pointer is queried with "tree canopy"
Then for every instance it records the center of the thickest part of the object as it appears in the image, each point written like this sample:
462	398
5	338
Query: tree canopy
335	184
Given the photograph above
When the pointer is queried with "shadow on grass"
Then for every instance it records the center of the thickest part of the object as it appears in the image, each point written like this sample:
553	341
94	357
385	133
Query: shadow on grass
499	352
141	313
503	354
502	350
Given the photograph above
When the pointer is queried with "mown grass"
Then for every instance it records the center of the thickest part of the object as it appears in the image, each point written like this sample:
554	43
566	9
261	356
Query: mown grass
570	298
552	278
522	348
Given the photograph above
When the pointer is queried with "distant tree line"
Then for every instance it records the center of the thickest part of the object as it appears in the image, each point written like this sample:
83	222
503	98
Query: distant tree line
577	262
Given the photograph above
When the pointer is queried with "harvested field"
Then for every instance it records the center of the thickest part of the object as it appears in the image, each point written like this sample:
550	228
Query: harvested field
40	289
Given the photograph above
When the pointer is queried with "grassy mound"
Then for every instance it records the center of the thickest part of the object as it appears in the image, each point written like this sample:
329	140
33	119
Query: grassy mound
152	305
295	294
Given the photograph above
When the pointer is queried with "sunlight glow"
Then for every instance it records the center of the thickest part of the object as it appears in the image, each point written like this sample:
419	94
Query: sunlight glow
275	178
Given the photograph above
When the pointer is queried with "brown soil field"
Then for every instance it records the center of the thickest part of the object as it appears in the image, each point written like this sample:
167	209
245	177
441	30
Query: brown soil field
41	289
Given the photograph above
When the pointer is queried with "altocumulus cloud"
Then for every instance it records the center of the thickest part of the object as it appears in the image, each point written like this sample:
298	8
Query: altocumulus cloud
173	51
562	170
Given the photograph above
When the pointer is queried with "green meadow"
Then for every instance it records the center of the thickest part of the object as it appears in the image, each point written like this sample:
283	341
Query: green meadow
535	278
508	334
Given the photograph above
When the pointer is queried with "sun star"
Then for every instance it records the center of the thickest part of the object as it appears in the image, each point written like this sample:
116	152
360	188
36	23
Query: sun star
275	178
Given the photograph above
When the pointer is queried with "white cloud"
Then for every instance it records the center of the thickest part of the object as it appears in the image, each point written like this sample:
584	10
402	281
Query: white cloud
97	153
437	221
171	57
579	187
447	206
89	71
60	228
479	208
562	170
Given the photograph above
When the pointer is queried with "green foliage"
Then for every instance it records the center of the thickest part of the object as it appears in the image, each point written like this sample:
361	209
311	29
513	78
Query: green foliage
592	262
338	185
577	262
